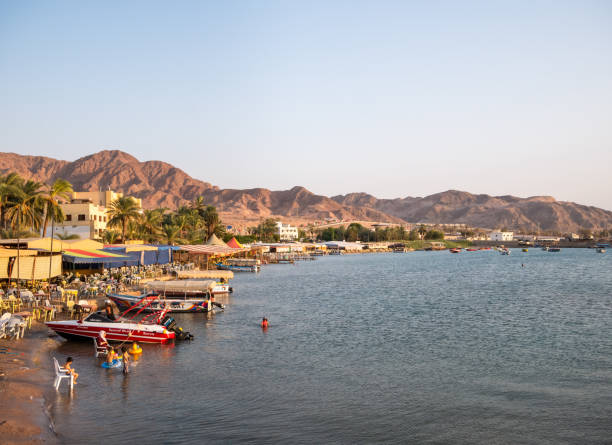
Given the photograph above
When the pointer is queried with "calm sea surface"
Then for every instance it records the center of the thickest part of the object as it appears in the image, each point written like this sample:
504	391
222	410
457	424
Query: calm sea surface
420	347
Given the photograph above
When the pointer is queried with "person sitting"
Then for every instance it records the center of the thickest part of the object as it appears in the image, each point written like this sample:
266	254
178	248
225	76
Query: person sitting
110	313
264	323
70	370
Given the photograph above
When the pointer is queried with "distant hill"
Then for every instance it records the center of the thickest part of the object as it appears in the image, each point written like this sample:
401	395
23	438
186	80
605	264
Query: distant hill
453	206
160	184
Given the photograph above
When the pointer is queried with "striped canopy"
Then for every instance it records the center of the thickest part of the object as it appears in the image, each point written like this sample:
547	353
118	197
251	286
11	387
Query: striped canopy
92	256
206	249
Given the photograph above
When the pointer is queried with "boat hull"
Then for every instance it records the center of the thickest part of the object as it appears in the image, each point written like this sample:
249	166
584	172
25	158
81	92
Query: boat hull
124	302
122	332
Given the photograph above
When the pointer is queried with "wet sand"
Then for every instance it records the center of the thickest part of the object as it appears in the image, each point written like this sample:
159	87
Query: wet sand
26	376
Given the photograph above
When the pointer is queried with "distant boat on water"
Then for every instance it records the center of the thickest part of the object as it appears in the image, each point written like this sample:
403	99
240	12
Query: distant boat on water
554	249
455	250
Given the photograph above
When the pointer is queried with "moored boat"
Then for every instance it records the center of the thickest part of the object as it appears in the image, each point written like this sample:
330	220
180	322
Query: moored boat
116	330
240	265
554	249
455	250
174	296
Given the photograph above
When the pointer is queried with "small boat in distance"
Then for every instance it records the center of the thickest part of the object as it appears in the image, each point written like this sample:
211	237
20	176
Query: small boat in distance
554	249
505	251
455	250
471	249
525	249
601	250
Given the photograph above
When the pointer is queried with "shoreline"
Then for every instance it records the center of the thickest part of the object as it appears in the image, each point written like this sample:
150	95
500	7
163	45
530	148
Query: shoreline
25	379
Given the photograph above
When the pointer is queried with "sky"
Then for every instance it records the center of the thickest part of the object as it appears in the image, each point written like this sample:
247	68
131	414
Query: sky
392	98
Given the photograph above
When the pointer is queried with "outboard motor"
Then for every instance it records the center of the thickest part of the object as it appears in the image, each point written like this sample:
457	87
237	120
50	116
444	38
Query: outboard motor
170	324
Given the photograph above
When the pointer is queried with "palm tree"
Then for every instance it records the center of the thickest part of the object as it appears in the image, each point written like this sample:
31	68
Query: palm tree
171	233
422	230
211	220
9	186
60	189
23	212
121	212
150	224
110	236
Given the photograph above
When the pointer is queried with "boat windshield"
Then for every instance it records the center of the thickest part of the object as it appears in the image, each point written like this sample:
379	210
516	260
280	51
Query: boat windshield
99	317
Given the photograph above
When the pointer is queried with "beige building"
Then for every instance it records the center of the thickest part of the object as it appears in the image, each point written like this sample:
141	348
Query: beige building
86	215
103	198
85	219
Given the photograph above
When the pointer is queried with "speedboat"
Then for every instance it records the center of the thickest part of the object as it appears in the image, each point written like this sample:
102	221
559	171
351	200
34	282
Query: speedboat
116	330
455	250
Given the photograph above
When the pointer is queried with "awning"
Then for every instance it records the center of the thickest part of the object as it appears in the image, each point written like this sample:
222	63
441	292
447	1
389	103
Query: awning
205	249
90	256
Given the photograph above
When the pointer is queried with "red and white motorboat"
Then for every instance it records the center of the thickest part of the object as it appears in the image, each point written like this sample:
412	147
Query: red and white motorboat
153	328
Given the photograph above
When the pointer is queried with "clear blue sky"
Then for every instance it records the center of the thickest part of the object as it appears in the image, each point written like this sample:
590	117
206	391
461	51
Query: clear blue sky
390	98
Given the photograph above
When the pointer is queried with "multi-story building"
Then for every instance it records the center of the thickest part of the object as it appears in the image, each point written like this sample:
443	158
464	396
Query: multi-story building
86	215
286	232
102	198
501	236
83	218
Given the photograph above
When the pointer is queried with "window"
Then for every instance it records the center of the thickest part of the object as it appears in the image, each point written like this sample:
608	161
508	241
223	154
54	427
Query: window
81	217
68	217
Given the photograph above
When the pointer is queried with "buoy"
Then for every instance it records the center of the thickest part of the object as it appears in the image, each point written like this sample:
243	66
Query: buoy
114	364
135	349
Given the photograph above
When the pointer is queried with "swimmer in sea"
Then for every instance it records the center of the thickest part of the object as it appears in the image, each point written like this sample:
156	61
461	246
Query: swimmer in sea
264	323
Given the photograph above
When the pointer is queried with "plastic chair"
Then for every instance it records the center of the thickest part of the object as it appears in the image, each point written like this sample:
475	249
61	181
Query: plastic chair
3	322
61	373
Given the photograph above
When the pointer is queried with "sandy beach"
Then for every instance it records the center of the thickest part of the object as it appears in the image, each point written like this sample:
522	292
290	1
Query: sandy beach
25	378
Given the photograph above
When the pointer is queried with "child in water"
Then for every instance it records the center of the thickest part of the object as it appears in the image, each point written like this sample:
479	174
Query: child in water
70	370
126	360
111	356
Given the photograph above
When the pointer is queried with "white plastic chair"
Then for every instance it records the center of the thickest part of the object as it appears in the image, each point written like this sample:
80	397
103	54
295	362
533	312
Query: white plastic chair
61	373
3	322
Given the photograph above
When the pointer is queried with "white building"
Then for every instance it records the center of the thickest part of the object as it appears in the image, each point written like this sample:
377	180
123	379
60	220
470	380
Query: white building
501	236
286	232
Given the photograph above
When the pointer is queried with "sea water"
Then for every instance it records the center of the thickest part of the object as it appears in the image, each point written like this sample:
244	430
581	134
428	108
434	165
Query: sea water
418	347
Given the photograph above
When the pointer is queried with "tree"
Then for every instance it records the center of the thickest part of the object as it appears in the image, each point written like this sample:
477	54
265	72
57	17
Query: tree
110	236
171	233
211	220
434	234
150	225
60	189
267	231
23	212
413	235
422	230
121	212
10	186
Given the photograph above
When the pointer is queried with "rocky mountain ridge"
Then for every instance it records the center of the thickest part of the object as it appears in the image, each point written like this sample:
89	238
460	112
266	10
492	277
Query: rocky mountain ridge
160	184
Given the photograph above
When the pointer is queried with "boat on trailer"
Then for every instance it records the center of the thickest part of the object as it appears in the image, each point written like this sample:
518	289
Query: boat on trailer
174	296
156	327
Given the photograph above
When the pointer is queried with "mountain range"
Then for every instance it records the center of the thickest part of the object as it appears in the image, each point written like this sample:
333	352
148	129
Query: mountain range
160	184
